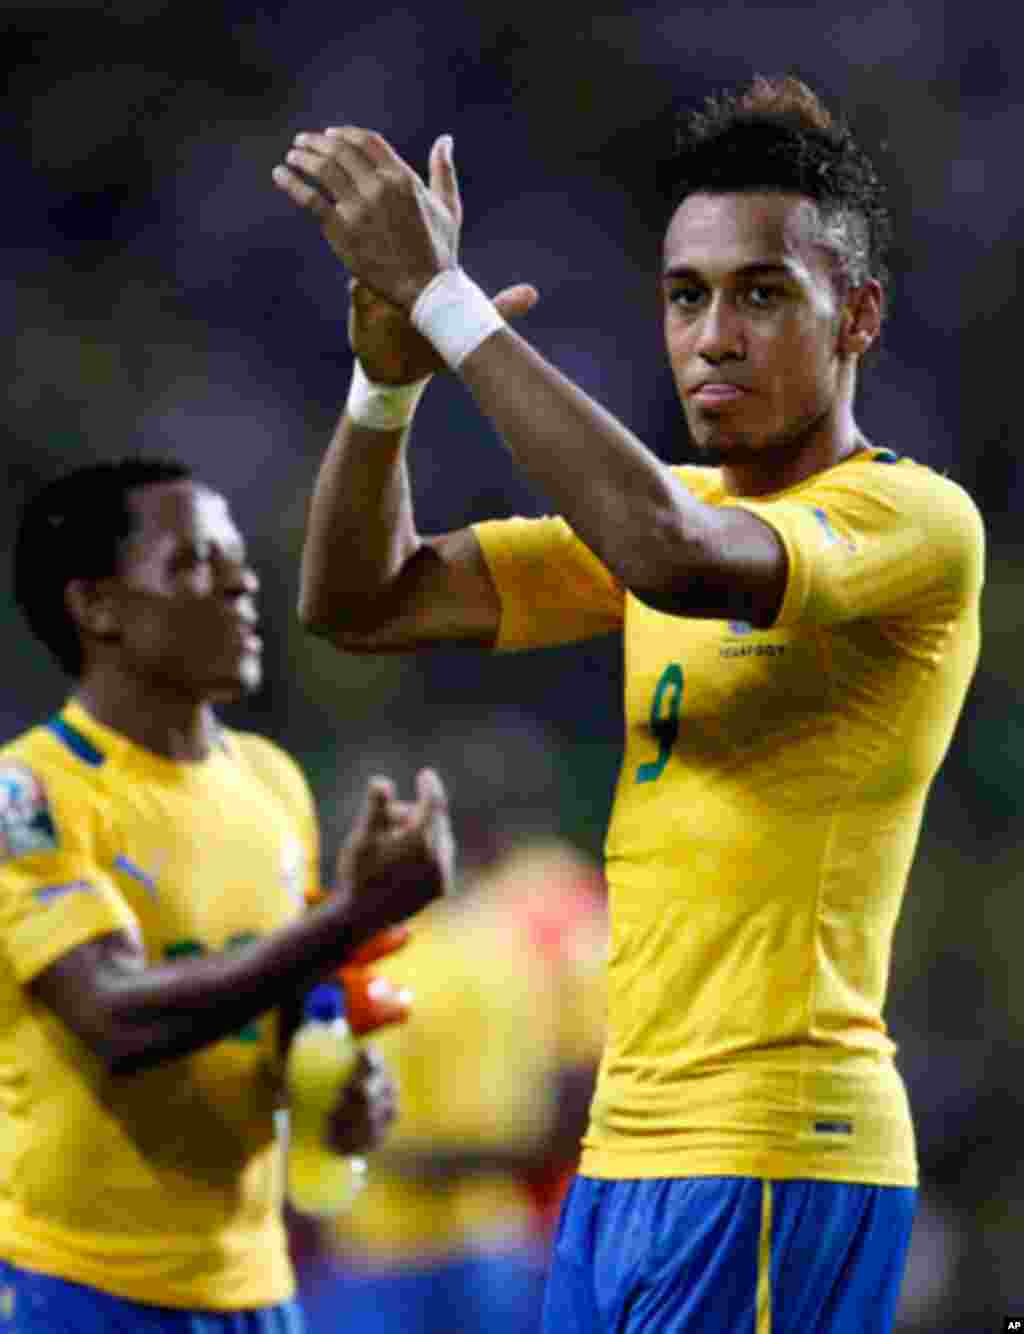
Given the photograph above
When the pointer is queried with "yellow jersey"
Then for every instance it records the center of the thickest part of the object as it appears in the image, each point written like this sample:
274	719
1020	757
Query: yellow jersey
162	1186
765	817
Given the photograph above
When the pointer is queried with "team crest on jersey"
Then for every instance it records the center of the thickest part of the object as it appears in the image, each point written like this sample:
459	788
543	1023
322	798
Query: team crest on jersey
26	824
760	648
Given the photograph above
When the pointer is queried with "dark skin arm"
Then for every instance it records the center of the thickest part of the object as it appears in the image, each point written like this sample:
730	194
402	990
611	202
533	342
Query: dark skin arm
671	550
133	1015
370	582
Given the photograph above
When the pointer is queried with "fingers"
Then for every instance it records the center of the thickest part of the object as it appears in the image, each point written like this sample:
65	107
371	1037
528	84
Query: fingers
431	796
373	148
303	194
380	793
443	178
367	1107
337	159
516	301
432	807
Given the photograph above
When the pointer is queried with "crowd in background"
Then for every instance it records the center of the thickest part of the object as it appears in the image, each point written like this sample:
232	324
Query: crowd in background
162	297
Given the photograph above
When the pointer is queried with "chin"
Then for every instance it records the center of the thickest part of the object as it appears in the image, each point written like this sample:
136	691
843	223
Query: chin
725	445
245	680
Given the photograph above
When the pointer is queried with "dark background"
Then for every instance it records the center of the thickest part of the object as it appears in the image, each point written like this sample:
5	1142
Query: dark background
160	295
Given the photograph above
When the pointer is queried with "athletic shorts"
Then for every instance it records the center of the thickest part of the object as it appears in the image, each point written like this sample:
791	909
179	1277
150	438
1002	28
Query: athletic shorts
486	1293
728	1255
33	1303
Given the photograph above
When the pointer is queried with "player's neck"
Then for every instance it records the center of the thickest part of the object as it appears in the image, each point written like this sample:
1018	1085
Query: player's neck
778	465
163	721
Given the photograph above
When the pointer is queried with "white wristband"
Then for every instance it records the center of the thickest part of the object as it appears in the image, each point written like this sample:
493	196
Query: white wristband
382	407
455	315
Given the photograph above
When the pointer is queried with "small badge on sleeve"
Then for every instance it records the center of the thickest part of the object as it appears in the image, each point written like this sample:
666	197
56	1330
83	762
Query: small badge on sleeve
833	1127
26	824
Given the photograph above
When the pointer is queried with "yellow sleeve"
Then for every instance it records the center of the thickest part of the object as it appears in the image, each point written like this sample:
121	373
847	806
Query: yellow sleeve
552	588
877	540
54	894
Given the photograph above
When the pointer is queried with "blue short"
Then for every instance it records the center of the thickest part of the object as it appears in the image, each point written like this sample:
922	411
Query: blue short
486	1293
33	1303
728	1255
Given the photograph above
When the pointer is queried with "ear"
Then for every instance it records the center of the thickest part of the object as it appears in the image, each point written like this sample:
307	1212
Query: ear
861	319
91	605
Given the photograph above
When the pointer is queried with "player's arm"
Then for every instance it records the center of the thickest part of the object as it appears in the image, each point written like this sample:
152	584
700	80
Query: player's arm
670	549
660	541
133	1014
369	580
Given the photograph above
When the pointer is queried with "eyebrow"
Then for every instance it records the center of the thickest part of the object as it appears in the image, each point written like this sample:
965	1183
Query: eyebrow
759	267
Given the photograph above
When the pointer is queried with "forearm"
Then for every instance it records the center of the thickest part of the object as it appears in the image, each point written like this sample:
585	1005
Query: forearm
360	533
616	494
155	1013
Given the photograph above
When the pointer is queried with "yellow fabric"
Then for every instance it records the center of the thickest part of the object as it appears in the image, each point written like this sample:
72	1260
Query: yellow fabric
162	1186
763	1315
765	818
475	1066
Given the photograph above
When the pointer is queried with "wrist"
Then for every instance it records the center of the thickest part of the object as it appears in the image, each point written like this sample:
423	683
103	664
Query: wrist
382	407
455	315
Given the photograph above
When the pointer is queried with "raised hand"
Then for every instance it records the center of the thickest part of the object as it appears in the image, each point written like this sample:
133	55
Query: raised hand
389	228
391	350
399	855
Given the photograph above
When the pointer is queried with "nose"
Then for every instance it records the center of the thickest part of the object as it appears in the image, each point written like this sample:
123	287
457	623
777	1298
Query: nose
720	332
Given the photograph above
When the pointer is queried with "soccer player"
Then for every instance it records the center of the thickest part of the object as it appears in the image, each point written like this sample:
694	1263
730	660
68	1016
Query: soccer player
153	940
800	624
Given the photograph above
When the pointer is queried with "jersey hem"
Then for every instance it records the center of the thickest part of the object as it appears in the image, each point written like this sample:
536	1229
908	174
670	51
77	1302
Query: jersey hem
148	1289
667	1162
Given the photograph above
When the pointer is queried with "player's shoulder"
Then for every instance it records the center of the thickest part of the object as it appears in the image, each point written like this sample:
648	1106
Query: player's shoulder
55	754
270	764
44	786
883	471
903	485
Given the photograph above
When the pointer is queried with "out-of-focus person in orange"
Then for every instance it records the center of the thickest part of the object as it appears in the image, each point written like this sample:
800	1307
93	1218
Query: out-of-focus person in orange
495	1069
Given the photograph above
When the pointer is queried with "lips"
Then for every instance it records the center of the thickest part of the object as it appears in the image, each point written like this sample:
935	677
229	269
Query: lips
714	392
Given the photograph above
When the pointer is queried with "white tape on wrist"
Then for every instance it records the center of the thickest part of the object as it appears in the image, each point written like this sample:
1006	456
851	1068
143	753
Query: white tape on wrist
382	407
455	315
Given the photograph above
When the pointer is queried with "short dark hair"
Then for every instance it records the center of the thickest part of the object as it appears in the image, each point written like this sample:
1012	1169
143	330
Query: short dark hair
777	135
73	528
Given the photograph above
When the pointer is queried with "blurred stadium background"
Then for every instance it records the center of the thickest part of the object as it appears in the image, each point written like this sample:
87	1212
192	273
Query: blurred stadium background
160	295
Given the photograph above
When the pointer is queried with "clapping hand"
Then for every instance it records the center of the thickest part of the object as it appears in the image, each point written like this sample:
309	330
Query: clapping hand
399	855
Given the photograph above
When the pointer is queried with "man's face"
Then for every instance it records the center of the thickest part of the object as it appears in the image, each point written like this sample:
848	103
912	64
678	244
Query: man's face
751	320
184	597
